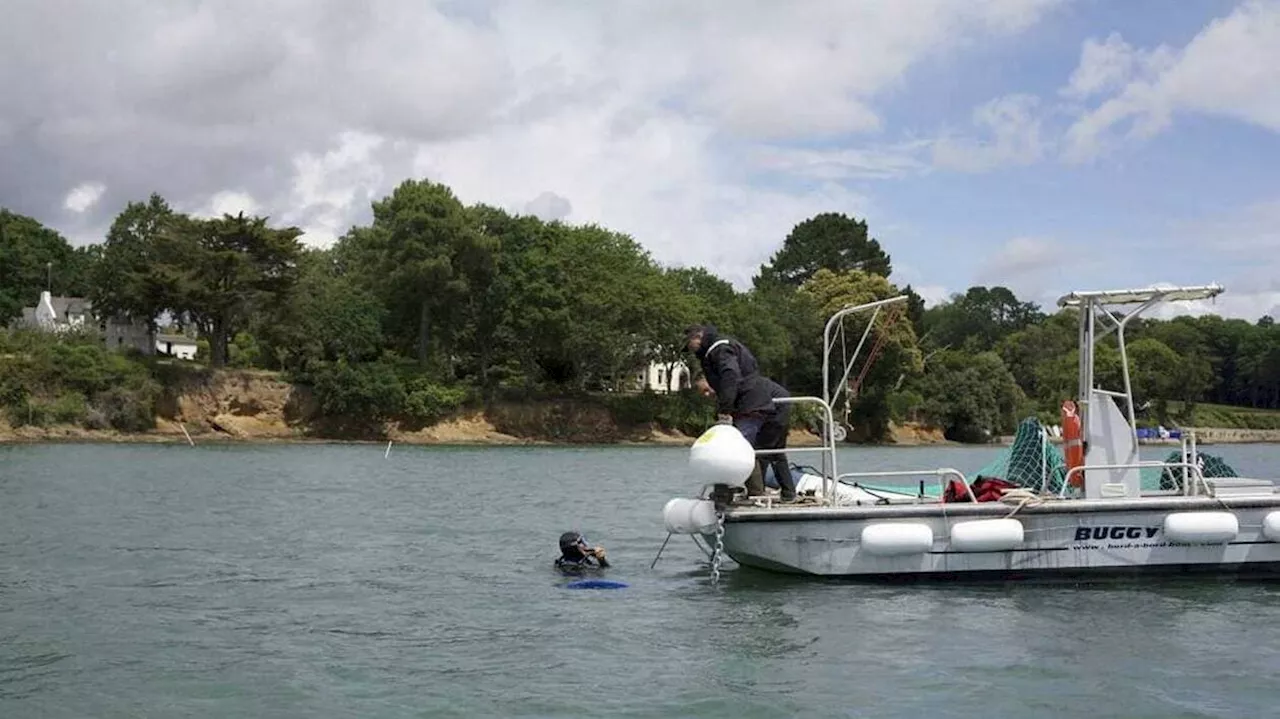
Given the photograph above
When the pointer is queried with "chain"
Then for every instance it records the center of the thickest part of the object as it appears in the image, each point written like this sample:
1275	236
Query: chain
717	553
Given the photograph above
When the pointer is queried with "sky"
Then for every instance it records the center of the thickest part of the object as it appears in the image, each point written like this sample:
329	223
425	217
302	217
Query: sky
1043	145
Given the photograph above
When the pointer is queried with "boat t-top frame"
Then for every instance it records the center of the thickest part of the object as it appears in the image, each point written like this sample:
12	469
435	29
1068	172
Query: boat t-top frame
1092	306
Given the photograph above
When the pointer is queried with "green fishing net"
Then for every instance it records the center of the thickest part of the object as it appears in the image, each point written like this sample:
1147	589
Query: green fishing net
1031	461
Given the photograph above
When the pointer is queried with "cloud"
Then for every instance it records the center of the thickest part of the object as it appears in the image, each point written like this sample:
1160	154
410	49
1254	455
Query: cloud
84	196
549	206
842	164
1014	125
1036	269
1230	69
675	122
1246	246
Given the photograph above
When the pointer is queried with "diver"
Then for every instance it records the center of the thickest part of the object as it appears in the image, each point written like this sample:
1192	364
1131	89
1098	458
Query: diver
577	556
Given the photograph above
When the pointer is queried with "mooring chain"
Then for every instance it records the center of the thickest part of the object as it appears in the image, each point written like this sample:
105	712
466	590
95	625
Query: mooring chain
718	551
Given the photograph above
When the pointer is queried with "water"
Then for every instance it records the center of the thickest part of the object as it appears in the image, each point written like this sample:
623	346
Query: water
326	581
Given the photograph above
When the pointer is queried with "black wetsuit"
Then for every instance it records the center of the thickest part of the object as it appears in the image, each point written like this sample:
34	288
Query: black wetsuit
582	564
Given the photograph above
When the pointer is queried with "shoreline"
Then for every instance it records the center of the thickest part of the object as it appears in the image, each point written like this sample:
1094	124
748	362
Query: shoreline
428	438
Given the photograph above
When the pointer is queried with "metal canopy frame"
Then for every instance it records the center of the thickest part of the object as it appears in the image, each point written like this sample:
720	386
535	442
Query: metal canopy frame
1092	306
828	397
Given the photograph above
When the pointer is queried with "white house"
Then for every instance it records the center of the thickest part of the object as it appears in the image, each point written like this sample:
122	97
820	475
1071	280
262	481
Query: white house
179	346
63	314
664	377
57	314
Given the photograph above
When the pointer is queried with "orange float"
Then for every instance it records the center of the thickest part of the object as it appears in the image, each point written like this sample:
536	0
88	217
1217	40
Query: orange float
1072	441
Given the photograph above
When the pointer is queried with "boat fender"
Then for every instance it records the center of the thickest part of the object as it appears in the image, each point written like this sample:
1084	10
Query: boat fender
986	535
1201	527
1271	526
722	456
893	539
690	516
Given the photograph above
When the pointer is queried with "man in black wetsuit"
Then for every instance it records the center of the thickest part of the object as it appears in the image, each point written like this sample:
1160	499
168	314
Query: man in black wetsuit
577	556
744	397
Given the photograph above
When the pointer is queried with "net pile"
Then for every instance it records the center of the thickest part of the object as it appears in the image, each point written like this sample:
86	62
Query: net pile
1030	461
1211	466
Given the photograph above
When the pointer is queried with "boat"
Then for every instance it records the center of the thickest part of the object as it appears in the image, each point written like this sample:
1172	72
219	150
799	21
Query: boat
1097	509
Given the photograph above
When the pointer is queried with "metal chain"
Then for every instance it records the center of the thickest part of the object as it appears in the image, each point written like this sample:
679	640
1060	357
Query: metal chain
717	553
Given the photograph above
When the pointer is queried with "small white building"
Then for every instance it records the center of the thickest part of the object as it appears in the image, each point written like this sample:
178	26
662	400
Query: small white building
65	314
665	377
57	314
180	346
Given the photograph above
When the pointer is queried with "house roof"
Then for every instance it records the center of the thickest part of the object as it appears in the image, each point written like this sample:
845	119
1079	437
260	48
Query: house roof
72	305
176	339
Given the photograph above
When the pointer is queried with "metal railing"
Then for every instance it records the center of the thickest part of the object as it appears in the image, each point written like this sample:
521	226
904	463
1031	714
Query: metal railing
940	473
1190	467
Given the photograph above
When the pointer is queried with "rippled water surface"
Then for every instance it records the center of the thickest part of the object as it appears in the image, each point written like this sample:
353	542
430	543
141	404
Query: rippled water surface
327	581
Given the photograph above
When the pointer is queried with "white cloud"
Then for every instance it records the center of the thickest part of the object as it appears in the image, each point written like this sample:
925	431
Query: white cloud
1020	255
657	180
1230	69
661	119
329	189
932	294
1246	239
1014	125
841	164
226	202
82	197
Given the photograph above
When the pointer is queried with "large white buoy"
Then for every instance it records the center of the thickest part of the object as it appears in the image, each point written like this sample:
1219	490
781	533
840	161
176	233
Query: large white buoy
690	516
722	456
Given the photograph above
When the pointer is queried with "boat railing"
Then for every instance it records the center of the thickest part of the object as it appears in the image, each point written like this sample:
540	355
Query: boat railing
941	473
828	445
832	477
1190	468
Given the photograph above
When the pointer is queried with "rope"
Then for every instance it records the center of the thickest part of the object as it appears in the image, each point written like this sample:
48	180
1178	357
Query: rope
891	316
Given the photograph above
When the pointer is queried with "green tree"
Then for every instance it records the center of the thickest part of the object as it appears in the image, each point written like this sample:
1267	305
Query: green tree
424	256
34	258
972	397
979	319
831	241
1154	373
126	280
325	317
221	271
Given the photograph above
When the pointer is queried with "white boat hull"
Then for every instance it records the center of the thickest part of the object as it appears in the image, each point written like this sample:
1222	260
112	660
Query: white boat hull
1077	537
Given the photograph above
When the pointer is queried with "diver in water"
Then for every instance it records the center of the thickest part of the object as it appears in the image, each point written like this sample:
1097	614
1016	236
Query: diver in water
577	556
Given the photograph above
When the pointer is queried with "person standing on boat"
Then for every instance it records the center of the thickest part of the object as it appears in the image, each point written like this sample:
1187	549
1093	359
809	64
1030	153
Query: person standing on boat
744	398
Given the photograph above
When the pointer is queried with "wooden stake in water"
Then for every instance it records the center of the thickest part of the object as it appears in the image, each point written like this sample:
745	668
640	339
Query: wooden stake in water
188	434
388	452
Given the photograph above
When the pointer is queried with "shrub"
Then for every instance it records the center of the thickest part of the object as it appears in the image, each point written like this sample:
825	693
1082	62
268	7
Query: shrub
428	402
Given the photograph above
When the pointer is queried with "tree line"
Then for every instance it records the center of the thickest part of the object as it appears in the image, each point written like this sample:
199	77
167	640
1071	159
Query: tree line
435	304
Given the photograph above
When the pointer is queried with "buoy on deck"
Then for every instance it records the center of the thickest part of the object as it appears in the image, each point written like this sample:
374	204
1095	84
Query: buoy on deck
596	584
722	456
